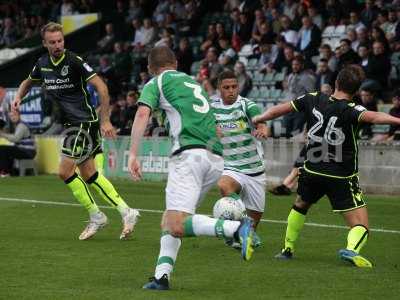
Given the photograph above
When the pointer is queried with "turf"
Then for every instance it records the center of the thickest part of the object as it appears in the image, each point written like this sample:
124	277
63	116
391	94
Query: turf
41	257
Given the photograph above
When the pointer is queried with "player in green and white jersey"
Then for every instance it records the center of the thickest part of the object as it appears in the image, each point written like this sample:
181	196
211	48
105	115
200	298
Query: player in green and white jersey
194	167
243	176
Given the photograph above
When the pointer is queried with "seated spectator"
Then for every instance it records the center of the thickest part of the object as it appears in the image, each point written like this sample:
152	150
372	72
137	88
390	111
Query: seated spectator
67	8
245	28
285	62
394	132
107	72
390	31
377	35
106	43
290	35
118	114
9	34
369	13
275	21
325	52
267	56
347	55
184	56
362	36
324	74
352	37
315	16
23	144
263	33
310	38
355	22
369	101
130	112
144	77
211	39
211	62
135	11
149	33
228	56
298	83
259	18
244	80
289	8
122	62
379	65
167	35
363	53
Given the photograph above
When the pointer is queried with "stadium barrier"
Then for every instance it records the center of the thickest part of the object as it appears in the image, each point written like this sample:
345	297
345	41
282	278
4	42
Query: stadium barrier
379	163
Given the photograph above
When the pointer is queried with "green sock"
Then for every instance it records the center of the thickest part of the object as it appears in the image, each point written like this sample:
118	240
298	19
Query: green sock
99	161
357	238
295	224
81	192
107	191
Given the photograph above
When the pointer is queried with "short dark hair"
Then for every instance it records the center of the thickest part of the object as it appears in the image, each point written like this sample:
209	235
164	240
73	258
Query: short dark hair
226	74
349	79
347	41
161	56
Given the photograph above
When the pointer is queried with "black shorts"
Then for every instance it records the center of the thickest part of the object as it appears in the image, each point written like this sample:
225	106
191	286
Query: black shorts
343	193
82	141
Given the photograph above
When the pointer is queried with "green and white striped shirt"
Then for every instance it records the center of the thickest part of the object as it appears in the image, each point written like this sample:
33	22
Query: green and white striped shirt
242	152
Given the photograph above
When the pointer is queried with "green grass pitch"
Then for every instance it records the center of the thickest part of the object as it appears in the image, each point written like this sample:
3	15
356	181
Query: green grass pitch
42	258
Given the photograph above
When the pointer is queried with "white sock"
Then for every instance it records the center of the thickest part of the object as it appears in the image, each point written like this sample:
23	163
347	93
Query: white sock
203	225
169	247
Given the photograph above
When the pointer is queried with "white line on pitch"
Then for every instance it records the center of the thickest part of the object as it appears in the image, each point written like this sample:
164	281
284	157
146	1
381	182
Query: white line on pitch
160	211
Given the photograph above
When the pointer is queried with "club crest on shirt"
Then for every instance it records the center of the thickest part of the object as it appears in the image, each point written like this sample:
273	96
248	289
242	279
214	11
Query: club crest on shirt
64	70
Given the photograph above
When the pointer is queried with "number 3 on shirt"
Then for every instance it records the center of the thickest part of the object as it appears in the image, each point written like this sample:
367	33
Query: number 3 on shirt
197	93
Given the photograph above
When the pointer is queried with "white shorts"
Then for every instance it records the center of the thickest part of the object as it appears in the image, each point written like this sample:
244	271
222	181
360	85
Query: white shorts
253	189
191	174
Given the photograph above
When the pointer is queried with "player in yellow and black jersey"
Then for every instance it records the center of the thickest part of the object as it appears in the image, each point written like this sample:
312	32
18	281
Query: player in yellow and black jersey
331	165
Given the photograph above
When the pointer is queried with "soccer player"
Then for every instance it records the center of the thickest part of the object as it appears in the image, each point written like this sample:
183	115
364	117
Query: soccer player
243	176
195	164
64	75
331	167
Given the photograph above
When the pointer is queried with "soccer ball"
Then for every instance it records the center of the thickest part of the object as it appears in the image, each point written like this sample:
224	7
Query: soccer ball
228	208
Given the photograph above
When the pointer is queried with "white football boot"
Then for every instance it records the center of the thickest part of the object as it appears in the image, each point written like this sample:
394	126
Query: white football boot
96	222
129	221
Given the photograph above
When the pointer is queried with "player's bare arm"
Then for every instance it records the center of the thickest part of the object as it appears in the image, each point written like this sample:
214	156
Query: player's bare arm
23	89
274	112
379	118
139	126
106	128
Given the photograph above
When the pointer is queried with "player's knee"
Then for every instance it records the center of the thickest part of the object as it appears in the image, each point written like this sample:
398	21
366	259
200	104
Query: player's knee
64	174
301	206
176	230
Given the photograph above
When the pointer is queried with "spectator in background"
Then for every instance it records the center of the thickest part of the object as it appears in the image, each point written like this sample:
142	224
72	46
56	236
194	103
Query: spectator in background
325	52
122	62
144	78
107	72
211	61
67	8
130	112
167	35
369	13
228	56
363	53
285	62
369	101
135	11
378	35
298	83
275	21
379	66
106	43
9	32
23	148
148	33
118	113
245	28
310	38
136	34
324	75
267	56
352	37
244	80
390	32
347	55
315	16
3	104
394	131
383	20
263	33
290	35
211	39
184	56
289	8
355	22
259	18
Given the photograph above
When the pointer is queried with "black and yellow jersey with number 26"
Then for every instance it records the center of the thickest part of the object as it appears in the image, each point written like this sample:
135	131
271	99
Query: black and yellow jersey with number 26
64	81
332	126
